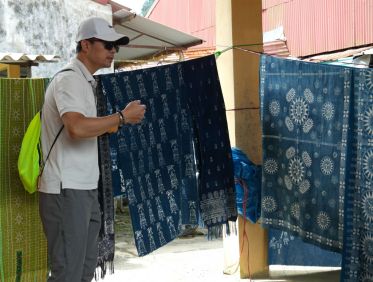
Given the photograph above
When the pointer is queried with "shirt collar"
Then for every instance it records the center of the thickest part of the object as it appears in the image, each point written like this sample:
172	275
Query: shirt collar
84	70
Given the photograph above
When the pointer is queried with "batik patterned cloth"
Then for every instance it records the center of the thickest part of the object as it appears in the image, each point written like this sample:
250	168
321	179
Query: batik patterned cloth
310	190
154	163
213	151
152	160
287	249
357	264
305	117
23	250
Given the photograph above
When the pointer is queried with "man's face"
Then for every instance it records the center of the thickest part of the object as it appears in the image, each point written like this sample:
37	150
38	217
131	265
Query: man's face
101	53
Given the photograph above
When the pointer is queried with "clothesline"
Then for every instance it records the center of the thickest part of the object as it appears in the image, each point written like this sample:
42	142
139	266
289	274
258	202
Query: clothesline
238	47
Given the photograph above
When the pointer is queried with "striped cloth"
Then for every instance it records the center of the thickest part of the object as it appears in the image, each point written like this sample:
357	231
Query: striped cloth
23	252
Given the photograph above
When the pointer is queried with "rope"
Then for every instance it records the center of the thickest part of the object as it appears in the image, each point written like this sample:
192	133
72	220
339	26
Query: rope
245	235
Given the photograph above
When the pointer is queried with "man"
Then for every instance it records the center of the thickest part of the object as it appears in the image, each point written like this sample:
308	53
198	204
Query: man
69	207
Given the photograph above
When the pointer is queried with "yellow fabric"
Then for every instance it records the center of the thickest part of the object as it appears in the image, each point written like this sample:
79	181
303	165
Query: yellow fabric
23	252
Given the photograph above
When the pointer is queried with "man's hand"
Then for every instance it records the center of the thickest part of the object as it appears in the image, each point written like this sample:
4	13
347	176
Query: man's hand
134	112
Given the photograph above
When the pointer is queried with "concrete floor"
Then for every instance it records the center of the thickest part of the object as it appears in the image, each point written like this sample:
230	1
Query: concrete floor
192	259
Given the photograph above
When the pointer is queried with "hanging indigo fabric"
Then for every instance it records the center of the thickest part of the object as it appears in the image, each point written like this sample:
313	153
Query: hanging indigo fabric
357	263
287	249
305	114
213	150
153	162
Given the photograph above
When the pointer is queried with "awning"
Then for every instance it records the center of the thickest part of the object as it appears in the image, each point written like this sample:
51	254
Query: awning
334	56
21	58
148	38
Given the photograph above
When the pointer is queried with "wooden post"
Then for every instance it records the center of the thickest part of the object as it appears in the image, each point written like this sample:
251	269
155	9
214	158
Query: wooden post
239	23
253	244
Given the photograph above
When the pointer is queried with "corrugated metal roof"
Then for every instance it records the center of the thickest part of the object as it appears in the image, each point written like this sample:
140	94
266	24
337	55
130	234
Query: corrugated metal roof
272	3
7	58
313	27
148	38
276	48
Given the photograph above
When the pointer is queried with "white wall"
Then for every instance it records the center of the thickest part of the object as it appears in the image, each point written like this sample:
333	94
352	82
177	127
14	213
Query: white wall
45	27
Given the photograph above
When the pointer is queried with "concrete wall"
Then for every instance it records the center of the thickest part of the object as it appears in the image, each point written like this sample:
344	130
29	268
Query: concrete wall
45	27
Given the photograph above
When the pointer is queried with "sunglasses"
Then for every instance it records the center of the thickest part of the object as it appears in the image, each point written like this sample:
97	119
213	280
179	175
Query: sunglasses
107	44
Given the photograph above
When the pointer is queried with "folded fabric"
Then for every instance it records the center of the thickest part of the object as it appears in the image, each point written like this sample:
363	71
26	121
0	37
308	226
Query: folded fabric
248	177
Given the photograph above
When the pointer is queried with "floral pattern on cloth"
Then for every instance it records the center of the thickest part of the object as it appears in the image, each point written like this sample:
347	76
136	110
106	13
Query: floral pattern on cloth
305	113
317	181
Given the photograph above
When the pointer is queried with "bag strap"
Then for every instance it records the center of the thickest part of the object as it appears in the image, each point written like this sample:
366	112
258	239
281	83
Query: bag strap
54	142
58	134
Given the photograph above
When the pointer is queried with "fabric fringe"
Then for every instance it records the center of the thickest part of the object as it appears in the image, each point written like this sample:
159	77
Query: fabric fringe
217	231
102	267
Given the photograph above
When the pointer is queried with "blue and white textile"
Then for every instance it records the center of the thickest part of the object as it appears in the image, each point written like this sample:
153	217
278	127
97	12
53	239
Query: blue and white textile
357	263
152	160
212	145
154	164
317	179
304	112
287	249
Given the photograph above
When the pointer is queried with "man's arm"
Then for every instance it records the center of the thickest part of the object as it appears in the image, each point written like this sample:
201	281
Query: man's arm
78	126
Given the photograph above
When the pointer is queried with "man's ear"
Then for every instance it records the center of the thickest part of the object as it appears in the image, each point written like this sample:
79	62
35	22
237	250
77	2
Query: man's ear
85	44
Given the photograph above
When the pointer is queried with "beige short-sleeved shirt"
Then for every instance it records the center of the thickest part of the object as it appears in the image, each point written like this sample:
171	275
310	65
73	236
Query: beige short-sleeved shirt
72	163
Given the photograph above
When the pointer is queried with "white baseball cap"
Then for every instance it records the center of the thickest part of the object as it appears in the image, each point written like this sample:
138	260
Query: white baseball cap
99	28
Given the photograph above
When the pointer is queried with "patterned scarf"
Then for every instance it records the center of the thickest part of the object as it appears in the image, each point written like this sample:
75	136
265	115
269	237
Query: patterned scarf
106	245
154	163
23	249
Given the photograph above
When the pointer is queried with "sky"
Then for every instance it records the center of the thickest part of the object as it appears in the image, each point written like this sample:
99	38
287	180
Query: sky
135	5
